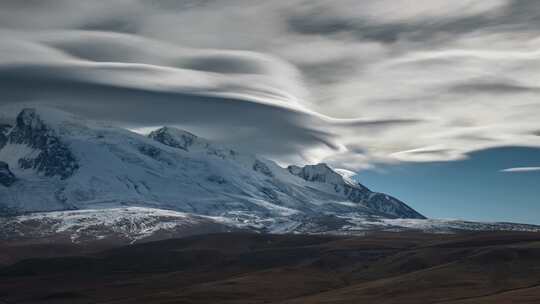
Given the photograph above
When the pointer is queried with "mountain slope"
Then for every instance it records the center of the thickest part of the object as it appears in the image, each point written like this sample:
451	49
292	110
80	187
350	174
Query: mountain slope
114	225
126	225
53	161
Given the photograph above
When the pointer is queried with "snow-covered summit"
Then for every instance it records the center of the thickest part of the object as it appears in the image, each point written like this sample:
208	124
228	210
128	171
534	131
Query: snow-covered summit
50	156
174	137
321	173
184	140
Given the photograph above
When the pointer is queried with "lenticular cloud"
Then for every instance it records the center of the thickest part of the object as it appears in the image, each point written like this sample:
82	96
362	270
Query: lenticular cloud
349	83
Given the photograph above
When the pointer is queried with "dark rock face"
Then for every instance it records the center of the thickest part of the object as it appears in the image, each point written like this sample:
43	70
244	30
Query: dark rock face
182	141
55	158
150	151
7	178
4	129
217	179
261	167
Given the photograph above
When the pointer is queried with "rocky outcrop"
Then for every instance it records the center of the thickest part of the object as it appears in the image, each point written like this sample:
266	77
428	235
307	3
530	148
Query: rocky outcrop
173	137
7	178
54	158
261	167
4	129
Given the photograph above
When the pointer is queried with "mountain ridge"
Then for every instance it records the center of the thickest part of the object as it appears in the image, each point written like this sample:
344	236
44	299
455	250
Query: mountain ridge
88	163
52	161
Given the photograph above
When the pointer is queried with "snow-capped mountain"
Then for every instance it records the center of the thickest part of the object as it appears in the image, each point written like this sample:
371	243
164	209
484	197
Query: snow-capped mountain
55	161
67	168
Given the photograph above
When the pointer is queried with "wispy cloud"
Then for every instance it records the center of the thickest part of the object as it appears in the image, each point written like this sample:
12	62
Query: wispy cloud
522	169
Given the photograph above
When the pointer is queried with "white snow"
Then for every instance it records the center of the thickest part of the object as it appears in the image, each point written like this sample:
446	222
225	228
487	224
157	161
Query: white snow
134	222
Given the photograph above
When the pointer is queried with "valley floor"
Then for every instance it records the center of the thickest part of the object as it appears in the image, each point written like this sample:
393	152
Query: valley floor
383	267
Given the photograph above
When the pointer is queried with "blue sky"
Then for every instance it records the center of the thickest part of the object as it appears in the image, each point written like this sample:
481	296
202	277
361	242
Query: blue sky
472	189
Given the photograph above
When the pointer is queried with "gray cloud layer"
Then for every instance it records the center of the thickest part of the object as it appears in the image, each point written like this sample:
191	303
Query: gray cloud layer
348	82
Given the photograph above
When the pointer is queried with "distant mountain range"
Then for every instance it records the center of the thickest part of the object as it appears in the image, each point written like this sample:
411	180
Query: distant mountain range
172	180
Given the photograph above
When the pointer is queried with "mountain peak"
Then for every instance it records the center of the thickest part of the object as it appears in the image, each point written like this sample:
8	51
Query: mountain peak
321	172
27	121
354	191
54	156
43	118
28	116
29	129
174	137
